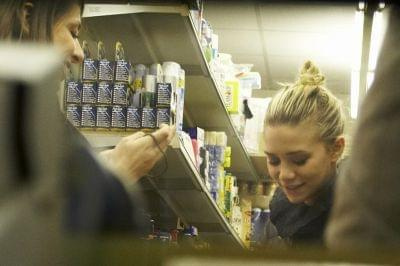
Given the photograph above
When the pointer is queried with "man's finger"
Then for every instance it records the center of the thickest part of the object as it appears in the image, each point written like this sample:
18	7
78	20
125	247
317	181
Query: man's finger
162	135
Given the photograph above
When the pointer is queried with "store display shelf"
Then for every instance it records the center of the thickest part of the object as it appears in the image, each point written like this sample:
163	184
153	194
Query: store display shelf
259	161
183	189
159	33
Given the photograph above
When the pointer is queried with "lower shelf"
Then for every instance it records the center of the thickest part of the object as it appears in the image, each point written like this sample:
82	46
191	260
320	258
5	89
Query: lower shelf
183	189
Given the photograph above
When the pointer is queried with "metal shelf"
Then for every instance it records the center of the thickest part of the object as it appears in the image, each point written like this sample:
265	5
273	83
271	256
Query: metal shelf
183	189
260	163
159	33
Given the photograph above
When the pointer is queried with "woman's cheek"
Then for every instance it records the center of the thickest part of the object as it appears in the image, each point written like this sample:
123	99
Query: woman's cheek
273	172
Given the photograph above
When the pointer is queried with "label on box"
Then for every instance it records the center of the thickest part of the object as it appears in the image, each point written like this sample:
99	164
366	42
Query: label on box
89	92
133	117
103	116
89	69
118	117
104	93
88	116
138	83
106	70
163	116
149	117
180	93
74	114
163	91
74	92
120	92
122	69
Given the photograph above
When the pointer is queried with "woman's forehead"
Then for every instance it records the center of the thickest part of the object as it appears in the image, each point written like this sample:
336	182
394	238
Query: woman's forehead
291	137
72	17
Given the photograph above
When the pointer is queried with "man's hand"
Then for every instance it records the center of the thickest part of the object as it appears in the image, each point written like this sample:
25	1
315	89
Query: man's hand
135	155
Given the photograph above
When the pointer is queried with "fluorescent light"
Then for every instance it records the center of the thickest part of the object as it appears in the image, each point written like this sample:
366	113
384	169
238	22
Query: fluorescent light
361	5
354	93
356	64
370	78
376	40
357	41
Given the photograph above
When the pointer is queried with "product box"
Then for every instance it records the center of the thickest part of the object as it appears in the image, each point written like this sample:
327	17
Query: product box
133	117
88	116
89	71
164	116
118	117
104	93
106	70
74	113
89	92
180	93
73	92
149	117
163	94
122	68
197	134
103	119
120	93
230	182
231	95
204	166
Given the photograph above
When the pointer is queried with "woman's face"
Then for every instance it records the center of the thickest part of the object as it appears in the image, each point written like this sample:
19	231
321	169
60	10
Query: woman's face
65	36
298	160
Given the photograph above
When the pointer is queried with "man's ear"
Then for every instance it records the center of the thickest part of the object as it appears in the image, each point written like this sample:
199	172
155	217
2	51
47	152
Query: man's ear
337	148
25	17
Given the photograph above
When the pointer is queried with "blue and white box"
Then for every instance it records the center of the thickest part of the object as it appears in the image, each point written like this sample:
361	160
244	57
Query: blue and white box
120	93
104	93
103	119
118	117
73	92
122	69
106	70
89	69
88	116
89	92
74	113
149	117
133	117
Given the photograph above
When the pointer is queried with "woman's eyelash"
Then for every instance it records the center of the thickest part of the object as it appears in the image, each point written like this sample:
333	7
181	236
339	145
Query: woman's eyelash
300	161
273	161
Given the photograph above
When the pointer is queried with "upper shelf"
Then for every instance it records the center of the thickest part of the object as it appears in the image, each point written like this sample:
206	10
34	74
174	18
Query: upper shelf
159	33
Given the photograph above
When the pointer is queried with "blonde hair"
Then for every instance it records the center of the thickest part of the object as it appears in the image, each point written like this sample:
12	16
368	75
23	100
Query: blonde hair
307	101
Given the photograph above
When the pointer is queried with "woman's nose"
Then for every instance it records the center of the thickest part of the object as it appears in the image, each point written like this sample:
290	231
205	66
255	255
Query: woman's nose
285	174
77	56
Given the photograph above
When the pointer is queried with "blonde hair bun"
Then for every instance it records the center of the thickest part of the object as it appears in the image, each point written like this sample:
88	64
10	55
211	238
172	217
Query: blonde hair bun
310	75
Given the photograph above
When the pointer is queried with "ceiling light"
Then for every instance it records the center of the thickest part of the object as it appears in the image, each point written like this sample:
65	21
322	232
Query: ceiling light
361	6
356	64
354	93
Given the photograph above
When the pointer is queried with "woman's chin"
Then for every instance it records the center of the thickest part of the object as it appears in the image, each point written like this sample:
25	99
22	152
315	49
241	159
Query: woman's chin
295	200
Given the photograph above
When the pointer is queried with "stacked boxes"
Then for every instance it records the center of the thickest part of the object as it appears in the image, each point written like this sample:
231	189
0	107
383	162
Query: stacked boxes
112	95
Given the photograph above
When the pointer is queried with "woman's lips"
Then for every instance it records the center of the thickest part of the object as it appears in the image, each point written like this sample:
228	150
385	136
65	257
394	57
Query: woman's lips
293	189
294	186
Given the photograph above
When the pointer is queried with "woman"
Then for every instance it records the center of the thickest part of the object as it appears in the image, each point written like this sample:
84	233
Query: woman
59	22
304	140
